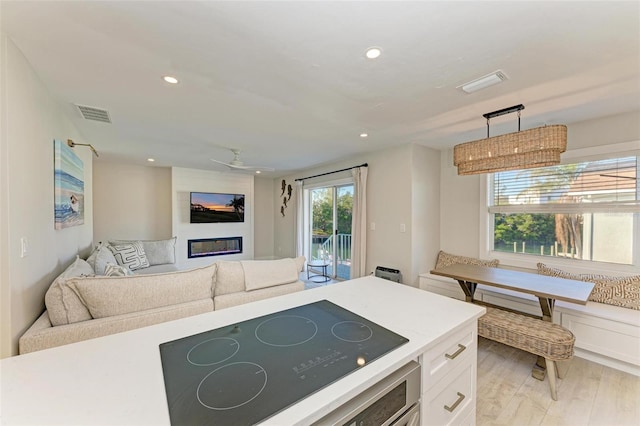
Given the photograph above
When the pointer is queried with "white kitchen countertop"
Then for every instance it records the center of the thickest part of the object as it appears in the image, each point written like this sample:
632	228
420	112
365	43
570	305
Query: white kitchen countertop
118	379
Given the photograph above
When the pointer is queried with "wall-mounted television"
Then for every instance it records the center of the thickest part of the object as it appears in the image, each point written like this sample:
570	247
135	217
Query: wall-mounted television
209	207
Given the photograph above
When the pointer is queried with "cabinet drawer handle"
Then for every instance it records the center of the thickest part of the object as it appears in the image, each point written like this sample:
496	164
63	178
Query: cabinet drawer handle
455	404
456	353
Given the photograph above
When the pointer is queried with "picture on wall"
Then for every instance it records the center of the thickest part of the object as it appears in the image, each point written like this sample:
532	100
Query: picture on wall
69	186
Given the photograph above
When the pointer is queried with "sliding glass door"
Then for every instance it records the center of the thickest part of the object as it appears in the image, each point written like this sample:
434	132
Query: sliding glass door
330	211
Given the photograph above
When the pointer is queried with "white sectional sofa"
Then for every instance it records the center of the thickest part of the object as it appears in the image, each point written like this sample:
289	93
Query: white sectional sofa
609	335
80	305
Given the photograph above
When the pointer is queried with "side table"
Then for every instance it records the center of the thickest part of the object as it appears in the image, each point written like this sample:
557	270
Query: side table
318	265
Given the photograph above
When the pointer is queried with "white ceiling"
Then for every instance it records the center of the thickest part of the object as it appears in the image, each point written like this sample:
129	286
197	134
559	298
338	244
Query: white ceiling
288	83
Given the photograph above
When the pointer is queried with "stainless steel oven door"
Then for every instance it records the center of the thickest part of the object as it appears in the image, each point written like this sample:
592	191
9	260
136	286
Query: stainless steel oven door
392	401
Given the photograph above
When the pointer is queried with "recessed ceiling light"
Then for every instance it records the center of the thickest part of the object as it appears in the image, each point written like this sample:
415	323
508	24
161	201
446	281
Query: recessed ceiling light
258	172
170	79
373	52
151	160
364	135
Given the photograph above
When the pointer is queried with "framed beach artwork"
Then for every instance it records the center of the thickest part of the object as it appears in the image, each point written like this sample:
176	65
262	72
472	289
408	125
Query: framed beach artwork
69	186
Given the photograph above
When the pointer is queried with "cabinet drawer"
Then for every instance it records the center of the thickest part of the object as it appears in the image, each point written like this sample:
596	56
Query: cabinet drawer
443	358
450	400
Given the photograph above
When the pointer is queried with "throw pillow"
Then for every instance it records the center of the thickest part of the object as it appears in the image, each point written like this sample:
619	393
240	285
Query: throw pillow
616	291
63	305
100	257
268	273
159	252
113	270
130	255
558	273
446	259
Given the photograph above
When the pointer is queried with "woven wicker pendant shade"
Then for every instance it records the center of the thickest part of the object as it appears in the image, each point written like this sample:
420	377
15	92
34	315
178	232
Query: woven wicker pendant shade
537	147
526	149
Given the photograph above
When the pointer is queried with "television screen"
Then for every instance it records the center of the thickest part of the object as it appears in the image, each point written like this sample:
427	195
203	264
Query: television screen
209	207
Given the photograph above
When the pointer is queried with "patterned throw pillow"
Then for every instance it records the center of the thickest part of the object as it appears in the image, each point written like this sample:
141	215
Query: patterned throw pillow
616	291
112	270
558	273
447	259
130	255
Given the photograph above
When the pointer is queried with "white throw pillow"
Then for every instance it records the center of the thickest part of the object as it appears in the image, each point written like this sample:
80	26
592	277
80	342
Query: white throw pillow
130	255
63	305
100	257
268	273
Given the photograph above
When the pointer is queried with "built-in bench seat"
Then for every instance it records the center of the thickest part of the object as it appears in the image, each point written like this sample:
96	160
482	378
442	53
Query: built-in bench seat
606	334
548	340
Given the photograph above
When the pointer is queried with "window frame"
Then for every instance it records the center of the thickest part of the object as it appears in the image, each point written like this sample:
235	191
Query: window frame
529	261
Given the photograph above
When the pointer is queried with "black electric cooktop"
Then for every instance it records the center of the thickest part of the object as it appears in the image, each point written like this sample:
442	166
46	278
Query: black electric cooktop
246	372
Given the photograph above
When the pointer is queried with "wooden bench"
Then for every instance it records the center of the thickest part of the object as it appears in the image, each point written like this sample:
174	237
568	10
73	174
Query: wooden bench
548	340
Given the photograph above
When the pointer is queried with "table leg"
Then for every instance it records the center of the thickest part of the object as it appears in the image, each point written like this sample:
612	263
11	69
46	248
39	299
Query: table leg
546	305
469	289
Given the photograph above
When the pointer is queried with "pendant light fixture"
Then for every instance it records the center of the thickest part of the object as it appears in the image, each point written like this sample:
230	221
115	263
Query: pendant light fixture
526	149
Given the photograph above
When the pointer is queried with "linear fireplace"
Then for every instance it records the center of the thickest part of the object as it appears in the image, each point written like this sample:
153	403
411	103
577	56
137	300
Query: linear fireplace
214	246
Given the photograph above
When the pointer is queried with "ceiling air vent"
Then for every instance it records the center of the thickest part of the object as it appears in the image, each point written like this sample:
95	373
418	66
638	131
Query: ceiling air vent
96	114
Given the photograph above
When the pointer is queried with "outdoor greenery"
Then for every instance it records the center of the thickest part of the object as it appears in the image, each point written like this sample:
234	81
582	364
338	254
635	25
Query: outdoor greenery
541	229
322	202
535	230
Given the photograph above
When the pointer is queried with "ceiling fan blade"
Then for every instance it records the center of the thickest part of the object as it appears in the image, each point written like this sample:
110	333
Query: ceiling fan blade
220	162
242	167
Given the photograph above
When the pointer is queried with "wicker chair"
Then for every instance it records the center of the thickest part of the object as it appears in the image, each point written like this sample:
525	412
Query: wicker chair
550	341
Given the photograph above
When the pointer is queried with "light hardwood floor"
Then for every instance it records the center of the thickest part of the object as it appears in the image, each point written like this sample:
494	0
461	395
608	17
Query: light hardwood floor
589	395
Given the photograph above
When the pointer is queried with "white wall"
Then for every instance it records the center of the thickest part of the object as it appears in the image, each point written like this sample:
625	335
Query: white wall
460	200
402	188
425	174
31	120
183	182
131	202
264	218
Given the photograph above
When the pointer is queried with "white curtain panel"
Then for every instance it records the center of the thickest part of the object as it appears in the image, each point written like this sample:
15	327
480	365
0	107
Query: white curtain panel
299	218
359	223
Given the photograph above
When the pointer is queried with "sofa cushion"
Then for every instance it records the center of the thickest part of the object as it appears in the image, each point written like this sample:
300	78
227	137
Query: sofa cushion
131	255
100	257
62	303
111	296
158	252
242	297
446	259
300	263
229	277
616	291
268	273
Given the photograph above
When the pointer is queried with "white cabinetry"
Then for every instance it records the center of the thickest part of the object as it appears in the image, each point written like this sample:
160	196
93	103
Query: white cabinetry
449	373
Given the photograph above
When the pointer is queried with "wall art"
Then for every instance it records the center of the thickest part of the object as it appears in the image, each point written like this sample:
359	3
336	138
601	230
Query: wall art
68	172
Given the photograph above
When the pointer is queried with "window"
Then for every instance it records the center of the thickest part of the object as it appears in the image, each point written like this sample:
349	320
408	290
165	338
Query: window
583	210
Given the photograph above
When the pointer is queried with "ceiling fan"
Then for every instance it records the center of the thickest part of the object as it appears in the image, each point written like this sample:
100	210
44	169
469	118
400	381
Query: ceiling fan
238	164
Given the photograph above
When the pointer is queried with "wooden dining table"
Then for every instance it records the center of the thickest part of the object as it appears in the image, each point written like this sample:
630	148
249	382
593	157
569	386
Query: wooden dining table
547	289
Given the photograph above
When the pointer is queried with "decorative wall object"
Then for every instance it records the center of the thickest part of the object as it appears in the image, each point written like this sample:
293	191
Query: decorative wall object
69	187
285	198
